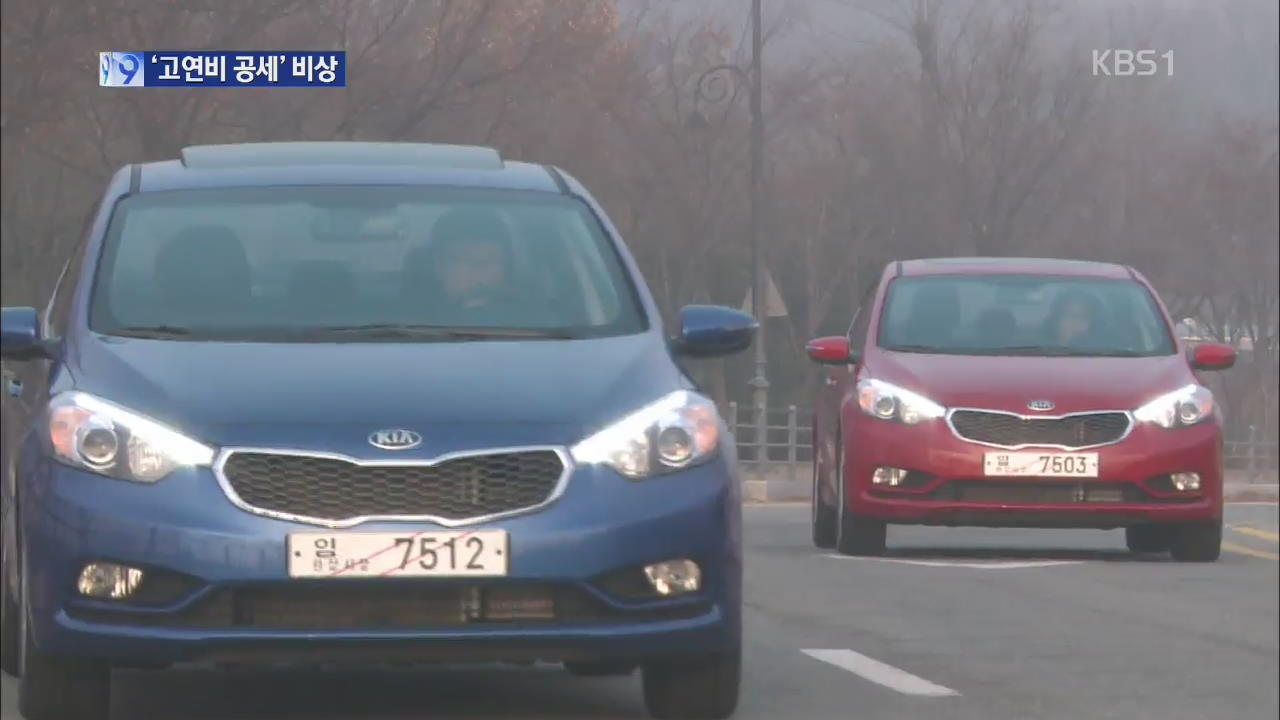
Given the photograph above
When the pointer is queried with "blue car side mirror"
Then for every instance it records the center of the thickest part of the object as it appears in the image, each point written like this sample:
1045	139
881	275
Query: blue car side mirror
20	334
713	331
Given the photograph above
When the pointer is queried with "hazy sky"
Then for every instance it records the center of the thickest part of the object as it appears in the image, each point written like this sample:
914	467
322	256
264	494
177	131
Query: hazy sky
1226	53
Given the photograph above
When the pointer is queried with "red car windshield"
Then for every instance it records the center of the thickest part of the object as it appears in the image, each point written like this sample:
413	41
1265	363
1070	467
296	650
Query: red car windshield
1023	315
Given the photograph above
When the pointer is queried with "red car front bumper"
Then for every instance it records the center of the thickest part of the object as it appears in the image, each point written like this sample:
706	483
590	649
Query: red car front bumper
947	484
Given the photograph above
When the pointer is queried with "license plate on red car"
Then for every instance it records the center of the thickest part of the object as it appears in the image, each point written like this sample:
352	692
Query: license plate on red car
1040	464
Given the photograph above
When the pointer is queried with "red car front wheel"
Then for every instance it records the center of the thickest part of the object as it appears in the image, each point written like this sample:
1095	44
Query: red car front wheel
823	516
855	534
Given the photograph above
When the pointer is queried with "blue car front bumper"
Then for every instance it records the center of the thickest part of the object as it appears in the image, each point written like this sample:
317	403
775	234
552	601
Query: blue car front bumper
185	527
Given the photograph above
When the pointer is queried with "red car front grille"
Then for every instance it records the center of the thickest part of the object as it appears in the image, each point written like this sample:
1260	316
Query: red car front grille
1055	493
1010	430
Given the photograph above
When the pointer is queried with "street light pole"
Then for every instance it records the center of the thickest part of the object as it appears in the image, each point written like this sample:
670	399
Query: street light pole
759	304
713	85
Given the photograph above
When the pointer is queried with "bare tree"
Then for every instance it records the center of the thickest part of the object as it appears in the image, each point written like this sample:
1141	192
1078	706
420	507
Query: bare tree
940	128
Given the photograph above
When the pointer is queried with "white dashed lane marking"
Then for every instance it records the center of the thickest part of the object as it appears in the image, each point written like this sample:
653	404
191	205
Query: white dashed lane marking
881	673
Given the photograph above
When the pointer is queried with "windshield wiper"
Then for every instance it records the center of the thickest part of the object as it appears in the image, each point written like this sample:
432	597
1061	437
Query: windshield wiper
1028	350
918	349
447	332
1062	351
152	331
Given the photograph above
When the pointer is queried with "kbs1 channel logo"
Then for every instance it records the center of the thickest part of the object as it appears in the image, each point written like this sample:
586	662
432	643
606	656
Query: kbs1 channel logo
201	68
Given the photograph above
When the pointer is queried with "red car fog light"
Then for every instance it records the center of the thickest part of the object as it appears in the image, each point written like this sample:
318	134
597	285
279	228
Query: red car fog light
1185	481
890	476
108	581
674	577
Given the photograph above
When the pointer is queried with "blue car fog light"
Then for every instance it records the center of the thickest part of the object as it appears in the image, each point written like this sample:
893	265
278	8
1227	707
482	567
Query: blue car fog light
108	581
674	577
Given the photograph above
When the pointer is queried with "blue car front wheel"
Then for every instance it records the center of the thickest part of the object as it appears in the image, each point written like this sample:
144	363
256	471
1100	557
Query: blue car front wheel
10	646
703	687
53	687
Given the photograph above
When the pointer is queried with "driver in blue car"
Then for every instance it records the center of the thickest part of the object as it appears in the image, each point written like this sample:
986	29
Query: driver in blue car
464	274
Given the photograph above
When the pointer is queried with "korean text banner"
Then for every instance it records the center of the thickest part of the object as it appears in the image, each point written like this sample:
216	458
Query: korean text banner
202	68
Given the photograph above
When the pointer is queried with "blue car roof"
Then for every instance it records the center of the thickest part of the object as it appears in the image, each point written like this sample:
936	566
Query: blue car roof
343	163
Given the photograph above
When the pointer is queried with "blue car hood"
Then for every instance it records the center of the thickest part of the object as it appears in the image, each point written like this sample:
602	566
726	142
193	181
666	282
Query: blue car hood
457	394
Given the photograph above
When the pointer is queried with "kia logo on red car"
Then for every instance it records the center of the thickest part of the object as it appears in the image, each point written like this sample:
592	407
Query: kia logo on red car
1040	405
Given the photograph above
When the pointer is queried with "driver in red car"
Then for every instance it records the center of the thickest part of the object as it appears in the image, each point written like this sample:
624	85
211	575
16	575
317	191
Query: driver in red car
1075	321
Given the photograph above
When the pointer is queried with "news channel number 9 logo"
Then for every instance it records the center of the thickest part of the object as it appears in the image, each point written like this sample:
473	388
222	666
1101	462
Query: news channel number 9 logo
121	69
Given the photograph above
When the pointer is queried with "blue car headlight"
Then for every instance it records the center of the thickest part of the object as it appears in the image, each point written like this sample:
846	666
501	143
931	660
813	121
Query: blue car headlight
96	435
1188	405
675	432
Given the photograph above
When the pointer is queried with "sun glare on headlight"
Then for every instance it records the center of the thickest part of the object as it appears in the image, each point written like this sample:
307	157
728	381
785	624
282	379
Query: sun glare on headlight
1185	406
889	402
91	433
678	430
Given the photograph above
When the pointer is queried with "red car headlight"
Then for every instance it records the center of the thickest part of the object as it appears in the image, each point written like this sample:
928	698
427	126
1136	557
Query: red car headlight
887	401
1185	406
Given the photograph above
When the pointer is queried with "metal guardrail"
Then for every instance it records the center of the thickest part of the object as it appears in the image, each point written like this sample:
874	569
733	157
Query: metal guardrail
789	440
1250	453
788	430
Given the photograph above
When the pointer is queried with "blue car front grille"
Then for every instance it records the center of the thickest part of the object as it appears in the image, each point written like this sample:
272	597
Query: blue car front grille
333	489
357	605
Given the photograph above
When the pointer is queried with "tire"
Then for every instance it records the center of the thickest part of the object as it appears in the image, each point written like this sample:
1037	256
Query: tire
699	688
1147	538
823	517
60	688
1196	542
10	644
54	688
599	669
856	534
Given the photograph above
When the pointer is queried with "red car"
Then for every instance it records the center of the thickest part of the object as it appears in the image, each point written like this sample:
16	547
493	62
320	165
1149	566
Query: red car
1017	393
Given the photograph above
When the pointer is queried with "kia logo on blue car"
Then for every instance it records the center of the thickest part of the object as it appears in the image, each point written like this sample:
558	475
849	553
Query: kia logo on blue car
1041	405
395	439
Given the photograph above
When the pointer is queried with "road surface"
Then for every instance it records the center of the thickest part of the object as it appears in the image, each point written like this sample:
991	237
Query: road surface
966	624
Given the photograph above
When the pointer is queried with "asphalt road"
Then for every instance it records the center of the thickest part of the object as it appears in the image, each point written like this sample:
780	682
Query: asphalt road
967	624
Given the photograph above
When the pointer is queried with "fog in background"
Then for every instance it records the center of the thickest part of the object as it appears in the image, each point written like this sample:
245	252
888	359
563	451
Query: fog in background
894	128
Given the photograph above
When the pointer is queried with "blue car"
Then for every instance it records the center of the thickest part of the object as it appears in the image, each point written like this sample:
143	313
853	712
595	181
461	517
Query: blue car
363	403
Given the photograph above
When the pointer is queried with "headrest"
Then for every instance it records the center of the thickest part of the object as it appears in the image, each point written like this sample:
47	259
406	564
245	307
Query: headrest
203	264
325	282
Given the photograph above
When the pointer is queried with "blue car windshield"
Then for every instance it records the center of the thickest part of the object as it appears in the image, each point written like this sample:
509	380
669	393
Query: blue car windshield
1034	315
317	263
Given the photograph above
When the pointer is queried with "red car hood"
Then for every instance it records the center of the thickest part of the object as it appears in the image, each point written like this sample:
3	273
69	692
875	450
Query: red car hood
1009	383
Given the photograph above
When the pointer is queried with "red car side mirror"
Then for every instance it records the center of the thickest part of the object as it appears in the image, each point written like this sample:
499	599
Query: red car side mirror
1212	356
833	350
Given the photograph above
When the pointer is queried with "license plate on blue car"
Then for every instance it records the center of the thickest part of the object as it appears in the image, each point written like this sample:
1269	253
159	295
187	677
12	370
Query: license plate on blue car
479	553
